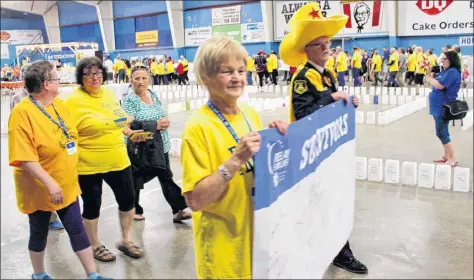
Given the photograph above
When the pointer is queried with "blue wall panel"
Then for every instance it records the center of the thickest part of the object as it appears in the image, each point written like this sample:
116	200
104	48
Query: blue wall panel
124	26
125	30
135	8
146	23
200	4
30	22
82	33
76	13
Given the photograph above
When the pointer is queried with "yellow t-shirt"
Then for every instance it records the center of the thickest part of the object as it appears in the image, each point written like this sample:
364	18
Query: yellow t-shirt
341	59
250	64
100	121
432	60
169	67
377	63
120	64
394	67
154	68
357	60
222	230
420	60
185	64
160	69
330	63
411	63
34	137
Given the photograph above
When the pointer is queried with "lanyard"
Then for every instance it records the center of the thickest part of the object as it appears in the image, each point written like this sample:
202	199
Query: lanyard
61	122
226	123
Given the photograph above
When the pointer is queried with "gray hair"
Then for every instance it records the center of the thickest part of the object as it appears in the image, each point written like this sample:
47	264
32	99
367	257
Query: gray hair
36	74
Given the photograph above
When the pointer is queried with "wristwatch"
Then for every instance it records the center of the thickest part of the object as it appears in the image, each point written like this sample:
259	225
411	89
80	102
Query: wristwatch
224	172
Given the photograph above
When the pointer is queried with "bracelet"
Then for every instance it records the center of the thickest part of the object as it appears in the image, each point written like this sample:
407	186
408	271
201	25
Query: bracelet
224	172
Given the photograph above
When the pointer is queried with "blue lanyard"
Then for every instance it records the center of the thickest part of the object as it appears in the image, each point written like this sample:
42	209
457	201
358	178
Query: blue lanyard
226	123
61	122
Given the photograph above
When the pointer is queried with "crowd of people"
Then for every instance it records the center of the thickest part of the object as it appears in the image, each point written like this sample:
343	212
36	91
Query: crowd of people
65	148
163	69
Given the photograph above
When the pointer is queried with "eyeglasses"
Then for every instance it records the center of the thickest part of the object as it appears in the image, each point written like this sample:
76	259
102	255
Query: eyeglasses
320	44
54	80
90	75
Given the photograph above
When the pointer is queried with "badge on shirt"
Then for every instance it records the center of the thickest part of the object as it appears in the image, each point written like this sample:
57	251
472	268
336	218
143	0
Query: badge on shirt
300	86
71	148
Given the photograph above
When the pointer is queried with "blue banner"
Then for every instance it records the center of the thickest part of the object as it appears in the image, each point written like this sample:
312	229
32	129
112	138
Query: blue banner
284	161
66	57
304	195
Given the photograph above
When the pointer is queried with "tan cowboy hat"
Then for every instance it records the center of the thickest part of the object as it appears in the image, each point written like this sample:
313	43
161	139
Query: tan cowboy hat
306	25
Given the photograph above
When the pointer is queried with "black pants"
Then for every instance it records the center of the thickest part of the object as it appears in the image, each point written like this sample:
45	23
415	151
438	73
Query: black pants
260	78
171	191
345	252
274	76
377	78
155	80
186	78
121	184
170	78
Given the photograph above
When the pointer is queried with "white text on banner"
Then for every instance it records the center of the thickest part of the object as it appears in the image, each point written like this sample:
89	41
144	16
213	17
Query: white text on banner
304	194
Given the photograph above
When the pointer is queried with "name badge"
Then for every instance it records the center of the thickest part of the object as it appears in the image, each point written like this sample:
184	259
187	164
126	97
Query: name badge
71	148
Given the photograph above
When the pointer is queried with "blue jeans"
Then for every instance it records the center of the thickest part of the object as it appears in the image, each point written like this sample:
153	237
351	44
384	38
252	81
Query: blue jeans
340	79
392	79
355	76
249	78
442	130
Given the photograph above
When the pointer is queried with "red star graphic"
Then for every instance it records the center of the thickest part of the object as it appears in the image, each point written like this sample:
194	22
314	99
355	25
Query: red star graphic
314	13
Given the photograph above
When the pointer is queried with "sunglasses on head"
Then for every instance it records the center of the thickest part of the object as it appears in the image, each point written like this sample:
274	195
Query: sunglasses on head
139	67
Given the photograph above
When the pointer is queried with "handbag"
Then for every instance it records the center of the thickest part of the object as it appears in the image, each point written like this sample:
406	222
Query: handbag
455	110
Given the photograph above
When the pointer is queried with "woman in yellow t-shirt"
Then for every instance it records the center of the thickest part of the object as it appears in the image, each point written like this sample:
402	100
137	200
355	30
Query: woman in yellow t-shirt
103	155
217	163
42	140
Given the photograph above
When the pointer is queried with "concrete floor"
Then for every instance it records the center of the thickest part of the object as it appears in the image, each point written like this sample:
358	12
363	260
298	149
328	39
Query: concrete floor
399	232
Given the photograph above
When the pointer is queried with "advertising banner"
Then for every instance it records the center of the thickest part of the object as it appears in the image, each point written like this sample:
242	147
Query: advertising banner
252	32
366	18
233	31
443	17
226	15
466	41
197	36
66	57
304	195
146	39
21	37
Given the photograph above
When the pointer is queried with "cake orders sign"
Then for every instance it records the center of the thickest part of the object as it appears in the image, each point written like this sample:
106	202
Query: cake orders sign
435	17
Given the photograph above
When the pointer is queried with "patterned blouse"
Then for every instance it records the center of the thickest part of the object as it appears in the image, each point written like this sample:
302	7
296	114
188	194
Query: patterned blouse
133	106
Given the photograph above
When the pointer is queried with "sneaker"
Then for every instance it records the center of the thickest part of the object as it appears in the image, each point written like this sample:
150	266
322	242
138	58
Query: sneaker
350	264
180	216
43	276
56	225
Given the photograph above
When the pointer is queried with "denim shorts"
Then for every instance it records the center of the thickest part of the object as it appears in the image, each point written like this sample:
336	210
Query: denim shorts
442	130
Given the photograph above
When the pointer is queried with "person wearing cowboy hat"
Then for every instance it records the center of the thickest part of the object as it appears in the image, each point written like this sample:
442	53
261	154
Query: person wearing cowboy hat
313	86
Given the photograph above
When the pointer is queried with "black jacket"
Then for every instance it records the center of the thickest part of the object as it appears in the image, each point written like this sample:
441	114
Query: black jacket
146	157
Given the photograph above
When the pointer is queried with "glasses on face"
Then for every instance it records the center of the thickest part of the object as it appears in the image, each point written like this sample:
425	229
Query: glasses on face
89	75
54	80
320	44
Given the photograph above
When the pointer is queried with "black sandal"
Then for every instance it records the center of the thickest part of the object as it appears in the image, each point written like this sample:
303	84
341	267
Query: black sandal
102	254
128	250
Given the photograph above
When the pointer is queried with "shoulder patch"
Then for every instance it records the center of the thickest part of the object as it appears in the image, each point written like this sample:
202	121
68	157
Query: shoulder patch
300	86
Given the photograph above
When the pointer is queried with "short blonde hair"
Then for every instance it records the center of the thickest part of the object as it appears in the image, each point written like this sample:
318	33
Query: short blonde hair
213	53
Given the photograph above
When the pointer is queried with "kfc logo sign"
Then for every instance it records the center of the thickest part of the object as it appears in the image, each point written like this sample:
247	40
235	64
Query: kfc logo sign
433	7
